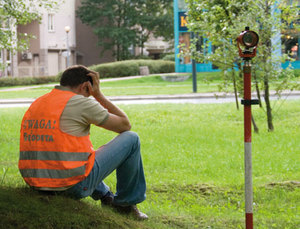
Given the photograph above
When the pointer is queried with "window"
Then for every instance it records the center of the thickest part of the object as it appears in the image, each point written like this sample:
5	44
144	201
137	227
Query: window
50	22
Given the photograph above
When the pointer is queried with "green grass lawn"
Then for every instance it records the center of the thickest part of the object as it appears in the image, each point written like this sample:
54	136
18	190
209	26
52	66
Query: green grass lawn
194	166
140	86
151	85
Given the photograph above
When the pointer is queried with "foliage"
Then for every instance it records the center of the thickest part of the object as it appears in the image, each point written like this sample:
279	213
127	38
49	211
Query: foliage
170	57
121	25
13	13
154	20
17	81
131	67
18	12
297	72
140	57
222	21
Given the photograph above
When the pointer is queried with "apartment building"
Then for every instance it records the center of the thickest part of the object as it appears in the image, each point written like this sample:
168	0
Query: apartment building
60	40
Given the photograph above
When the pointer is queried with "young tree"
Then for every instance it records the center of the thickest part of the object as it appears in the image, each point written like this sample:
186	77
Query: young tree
222	21
17	12
120	24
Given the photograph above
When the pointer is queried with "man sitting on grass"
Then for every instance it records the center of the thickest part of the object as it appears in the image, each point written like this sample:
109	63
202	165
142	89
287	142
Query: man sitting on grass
56	154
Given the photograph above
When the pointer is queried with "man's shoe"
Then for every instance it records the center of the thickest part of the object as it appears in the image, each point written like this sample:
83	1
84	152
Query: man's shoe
107	199
131	210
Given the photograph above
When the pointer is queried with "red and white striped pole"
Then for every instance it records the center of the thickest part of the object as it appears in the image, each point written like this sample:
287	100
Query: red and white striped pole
249	40
247	145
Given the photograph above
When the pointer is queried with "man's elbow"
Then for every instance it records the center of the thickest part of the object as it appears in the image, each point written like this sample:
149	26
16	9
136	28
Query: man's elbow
123	126
127	126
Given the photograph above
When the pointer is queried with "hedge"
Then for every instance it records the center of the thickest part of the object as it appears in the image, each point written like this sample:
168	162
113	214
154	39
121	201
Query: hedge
18	81
131	67
170	57
106	70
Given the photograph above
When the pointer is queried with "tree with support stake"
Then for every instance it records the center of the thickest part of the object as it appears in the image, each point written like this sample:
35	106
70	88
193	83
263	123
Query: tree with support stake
247	43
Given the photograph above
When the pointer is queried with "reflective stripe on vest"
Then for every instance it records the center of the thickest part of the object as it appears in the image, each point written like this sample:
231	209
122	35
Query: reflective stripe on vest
53	156
51	173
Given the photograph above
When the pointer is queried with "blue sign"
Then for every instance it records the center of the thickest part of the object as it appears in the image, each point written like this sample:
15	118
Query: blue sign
182	22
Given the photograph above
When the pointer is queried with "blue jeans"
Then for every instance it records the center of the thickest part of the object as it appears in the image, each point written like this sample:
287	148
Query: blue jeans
122	154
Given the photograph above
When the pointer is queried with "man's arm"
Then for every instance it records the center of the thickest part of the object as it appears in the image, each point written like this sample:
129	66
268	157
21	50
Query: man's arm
117	120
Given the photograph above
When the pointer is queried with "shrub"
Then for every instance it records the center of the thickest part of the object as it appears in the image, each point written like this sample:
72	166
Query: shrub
141	57
131	67
297	72
17	81
117	69
170	57
106	70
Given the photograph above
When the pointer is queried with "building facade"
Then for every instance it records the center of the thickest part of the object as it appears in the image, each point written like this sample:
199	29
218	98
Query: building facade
47	51
61	40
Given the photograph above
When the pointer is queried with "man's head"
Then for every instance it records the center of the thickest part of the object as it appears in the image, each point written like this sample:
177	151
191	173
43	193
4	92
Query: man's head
77	79
74	76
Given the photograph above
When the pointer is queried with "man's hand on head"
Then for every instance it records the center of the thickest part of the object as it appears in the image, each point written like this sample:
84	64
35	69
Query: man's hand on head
94	89
117	120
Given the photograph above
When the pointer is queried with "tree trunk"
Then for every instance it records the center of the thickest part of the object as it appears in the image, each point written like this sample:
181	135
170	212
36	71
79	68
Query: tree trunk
235	89
142	49
268	104
118	53
257	88
256	130
267	70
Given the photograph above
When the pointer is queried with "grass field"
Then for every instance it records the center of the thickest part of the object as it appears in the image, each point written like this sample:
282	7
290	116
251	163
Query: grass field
151	85
193	160
141	86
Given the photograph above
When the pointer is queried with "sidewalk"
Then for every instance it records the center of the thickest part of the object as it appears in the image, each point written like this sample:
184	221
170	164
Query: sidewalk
183	97
102	80
191	96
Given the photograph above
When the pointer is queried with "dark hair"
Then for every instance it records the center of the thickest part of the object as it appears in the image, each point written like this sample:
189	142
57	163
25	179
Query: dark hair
74	76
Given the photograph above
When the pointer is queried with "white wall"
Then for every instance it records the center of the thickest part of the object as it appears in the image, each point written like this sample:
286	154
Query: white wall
56	39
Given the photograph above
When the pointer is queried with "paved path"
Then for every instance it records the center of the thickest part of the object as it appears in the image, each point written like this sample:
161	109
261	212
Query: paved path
217	97
102	80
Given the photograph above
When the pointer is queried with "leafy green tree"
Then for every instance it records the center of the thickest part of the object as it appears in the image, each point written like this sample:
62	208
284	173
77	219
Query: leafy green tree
18	12
222	21
156	20
111	21
121	24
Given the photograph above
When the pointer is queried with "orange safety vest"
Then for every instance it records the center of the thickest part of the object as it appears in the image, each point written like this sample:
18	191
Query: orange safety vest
48	156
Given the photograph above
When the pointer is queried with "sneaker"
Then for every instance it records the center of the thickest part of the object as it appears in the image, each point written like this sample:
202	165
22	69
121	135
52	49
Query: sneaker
130	210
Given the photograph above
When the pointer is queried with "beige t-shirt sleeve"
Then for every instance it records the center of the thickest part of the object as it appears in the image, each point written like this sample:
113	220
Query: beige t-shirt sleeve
79	113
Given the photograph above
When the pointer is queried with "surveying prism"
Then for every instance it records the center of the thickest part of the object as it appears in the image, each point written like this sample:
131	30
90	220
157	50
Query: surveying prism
247	43
249	40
